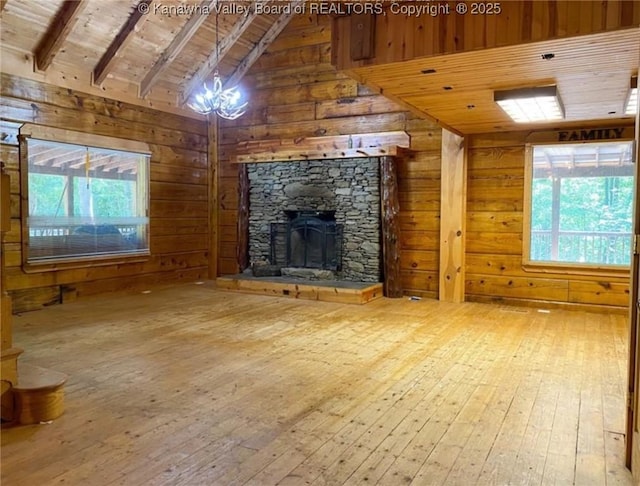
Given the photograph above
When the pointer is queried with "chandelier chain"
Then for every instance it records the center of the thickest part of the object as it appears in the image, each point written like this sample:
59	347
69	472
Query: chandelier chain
226	103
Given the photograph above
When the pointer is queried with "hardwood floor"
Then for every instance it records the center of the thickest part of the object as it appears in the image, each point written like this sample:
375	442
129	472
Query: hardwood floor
188	385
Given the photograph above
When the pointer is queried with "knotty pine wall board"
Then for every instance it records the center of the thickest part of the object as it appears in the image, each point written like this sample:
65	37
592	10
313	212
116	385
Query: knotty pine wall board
178	209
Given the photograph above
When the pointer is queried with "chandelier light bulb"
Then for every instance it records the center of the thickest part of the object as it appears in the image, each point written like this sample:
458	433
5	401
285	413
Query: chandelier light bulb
226	103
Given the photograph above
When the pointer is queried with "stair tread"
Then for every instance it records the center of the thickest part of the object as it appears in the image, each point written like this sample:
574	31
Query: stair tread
9	353
32	378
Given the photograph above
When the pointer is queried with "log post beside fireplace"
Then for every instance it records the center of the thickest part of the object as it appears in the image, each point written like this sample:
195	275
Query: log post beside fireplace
390	227
242	250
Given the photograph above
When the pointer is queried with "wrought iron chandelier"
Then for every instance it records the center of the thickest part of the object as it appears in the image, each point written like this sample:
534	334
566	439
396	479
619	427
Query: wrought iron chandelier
226	103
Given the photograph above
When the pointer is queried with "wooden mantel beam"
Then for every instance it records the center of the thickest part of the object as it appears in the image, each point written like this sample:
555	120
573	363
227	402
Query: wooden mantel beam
318	148
176	46
105	65
383	151
63	23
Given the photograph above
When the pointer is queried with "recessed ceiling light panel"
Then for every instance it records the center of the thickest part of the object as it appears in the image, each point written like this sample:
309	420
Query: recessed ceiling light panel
530	105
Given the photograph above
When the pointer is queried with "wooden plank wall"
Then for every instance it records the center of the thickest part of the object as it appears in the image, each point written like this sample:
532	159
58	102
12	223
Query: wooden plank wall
296	92
419	194
178	191
494	272
401	35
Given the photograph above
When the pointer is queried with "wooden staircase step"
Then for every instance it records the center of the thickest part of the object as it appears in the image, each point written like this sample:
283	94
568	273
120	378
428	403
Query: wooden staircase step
10	353
35	378
9	363
38	395
9	374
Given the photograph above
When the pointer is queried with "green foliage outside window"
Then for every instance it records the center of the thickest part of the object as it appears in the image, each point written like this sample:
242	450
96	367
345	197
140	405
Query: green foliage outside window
85	202
110	198
581	212
45	195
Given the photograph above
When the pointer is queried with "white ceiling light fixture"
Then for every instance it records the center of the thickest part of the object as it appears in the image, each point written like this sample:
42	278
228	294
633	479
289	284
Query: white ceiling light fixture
226	103
631	106
530	105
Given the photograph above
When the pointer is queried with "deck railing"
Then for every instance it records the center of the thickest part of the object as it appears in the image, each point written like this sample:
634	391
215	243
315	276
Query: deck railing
68	230
598	247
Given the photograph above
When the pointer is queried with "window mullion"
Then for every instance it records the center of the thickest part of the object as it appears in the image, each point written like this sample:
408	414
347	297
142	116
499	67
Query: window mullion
555	217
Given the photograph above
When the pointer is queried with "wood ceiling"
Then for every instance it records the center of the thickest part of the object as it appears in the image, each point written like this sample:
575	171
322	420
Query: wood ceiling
161	51
592	73
156	53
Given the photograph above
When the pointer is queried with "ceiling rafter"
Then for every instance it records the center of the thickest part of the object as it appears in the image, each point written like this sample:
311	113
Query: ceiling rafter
45	153
217	54
176	46
273	32
119	42
119	174
94	162
63	23
60	160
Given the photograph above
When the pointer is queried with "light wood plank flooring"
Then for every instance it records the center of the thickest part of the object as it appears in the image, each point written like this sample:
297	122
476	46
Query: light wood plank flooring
188	385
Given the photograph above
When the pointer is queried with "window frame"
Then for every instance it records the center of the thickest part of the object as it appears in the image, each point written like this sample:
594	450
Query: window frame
551	267
57	135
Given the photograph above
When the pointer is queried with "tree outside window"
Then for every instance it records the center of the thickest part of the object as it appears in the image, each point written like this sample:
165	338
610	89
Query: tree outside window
85	202
581	204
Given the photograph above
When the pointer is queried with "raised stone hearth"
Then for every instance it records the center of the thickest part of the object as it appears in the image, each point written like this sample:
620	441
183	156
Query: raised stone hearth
308	273
264	270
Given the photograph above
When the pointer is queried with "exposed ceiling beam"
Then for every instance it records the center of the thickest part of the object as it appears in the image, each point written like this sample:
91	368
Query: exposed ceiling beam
46	156
273	32
60	160
2	4
101	173
218	53
176	46
119	42
63	23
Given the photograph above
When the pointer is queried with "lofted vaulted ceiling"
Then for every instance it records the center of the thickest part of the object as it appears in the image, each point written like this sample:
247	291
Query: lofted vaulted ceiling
156	53
159	52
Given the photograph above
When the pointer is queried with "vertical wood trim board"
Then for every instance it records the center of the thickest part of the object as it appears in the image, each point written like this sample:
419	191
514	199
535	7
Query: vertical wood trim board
632	451
213	159
5	227
526	198
453	196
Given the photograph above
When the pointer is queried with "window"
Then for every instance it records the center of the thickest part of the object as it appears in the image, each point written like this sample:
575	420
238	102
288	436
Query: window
84	202
580	204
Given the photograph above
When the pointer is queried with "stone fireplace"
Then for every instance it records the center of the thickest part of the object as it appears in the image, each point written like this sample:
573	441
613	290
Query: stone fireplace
317	214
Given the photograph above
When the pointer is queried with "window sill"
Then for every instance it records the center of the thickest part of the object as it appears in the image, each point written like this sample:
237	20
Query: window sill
617	271
83	262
